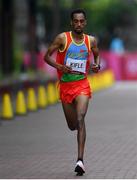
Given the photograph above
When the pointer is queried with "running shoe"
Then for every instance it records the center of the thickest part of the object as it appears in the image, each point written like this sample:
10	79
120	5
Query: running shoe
79	168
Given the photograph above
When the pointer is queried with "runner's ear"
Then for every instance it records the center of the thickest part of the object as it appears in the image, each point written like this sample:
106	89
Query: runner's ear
71	23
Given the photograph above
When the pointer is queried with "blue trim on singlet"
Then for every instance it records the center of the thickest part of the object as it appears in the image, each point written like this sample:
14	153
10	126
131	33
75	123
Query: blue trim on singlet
79	52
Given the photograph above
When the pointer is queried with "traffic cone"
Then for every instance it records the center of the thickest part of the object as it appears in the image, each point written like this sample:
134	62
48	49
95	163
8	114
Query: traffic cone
90	81
51	93
57	91
20	104
7	111
42	97
31	100
95	83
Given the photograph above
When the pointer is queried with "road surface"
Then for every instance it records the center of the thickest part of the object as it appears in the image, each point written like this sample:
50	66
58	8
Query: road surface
40	145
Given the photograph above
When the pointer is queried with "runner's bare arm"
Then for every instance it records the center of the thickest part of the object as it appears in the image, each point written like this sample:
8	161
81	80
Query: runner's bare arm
95	50
58	43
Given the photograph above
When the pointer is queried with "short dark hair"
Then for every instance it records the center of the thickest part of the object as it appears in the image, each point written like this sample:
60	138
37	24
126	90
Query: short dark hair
77	11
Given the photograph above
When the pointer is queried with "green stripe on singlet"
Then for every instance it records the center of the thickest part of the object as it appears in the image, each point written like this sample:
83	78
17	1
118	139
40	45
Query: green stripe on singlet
72	77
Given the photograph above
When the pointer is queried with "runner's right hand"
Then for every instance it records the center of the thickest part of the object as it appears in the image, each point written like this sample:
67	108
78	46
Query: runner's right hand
65	69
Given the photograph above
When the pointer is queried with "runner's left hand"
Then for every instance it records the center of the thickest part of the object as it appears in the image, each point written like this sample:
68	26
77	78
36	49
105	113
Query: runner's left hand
95	68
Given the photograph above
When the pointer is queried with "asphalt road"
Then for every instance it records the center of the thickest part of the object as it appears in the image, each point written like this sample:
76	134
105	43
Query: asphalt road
40	145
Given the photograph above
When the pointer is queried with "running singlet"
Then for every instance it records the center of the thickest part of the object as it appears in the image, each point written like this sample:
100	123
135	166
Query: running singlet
76	56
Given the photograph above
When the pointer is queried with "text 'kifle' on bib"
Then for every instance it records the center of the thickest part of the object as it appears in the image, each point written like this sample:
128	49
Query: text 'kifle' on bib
77	65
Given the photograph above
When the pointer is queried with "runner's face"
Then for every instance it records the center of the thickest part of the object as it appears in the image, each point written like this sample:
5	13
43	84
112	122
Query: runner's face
78	23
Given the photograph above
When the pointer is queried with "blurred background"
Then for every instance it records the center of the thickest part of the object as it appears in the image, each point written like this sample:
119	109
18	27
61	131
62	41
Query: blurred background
28	26
38	145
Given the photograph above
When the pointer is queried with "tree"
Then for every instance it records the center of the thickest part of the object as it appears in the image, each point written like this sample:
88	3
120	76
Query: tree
56	17
7	36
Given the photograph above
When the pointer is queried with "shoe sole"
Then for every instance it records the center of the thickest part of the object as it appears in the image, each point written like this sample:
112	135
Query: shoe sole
79	171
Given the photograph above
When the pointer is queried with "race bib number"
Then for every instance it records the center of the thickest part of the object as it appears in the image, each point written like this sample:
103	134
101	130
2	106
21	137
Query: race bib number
77	65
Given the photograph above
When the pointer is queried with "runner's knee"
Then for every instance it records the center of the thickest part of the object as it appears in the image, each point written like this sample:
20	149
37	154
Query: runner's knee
81	115
80	124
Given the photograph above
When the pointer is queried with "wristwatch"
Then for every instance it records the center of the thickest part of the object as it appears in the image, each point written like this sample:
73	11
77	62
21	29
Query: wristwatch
97	65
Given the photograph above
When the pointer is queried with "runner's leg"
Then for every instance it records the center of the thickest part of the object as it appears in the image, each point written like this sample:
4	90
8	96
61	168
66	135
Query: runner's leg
70	114
81	103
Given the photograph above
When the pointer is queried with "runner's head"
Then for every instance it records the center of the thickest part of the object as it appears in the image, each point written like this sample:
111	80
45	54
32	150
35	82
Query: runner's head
78	20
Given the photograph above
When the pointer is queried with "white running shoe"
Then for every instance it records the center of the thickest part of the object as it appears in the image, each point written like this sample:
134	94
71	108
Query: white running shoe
79	168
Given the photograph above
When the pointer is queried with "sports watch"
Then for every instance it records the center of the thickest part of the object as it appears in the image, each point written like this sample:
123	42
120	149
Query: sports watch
97	65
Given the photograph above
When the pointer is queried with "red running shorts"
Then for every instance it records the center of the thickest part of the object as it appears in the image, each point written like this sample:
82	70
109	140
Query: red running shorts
70	90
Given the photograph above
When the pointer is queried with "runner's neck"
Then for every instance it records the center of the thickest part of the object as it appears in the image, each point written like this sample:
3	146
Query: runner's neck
77	38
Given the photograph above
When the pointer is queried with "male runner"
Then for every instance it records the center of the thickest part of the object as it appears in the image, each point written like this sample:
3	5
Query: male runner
72	64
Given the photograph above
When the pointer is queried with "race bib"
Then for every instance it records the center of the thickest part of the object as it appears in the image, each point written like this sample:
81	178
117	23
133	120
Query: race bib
77	65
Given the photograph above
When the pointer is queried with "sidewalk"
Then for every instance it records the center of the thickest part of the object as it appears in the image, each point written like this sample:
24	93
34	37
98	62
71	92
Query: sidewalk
16	82
41	146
